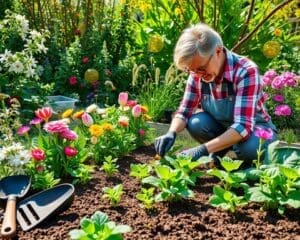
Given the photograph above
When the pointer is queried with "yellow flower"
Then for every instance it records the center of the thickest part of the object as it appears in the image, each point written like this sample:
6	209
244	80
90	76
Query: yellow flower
107	127
147	117
297	12
67	113
277	32
94	140
271	49
144	109
96	130
178	11
78	114
156	43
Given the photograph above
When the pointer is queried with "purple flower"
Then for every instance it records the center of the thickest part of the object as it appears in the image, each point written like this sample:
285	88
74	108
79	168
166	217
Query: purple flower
278	83
283	110
23	130
263	133
278	98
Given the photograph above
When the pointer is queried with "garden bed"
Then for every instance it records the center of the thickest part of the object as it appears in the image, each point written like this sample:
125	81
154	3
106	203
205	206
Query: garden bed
188	219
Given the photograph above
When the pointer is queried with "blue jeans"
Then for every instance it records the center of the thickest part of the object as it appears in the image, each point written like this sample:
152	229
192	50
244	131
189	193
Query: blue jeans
203	127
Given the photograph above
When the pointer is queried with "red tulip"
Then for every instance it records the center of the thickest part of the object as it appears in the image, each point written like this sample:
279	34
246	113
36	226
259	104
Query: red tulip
70	151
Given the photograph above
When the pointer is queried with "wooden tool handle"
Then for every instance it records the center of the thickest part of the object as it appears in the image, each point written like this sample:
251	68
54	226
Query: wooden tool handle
8	229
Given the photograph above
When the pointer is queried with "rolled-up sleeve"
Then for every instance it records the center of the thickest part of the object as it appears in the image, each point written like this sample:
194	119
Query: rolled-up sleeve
248	89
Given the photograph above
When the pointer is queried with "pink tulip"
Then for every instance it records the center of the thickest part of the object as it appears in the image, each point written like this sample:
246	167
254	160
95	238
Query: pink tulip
38	154
263	133
23	130
131	103
44	113
137	111
70	151
58	126
123	98
69	135
141	132
87	119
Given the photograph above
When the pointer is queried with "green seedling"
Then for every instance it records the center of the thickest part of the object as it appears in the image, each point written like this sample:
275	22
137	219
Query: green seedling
170	182
146	196
109	165
140	171
113	194
99	227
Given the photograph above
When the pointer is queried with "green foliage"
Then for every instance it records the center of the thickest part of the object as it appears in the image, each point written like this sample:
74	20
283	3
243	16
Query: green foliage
99	227
109	166
146	196
113	194
140	171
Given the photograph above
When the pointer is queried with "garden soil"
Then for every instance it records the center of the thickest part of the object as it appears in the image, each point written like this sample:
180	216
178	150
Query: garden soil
187	219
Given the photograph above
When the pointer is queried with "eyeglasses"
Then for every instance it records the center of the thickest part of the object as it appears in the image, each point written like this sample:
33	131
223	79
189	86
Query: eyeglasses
201	69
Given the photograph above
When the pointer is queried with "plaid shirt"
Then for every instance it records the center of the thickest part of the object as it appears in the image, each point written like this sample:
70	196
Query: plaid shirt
247	84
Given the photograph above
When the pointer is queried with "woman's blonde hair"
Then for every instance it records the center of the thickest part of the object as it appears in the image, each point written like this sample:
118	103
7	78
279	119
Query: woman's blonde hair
199	39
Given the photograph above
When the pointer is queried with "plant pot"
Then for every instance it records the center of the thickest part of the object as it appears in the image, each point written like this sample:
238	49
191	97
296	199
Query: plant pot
60	103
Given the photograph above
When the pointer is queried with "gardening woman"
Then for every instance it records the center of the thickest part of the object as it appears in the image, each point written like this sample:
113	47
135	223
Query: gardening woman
223	101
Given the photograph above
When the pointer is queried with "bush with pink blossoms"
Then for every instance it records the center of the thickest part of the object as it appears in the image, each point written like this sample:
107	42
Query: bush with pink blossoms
57	151
283	90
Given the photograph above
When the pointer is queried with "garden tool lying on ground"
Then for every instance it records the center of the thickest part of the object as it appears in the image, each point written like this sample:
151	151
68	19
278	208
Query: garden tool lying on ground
42	205
11	188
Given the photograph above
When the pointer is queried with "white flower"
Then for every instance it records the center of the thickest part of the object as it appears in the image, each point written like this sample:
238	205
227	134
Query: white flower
16	67
35	34
101	111
41	47
20	158
92	108
5	56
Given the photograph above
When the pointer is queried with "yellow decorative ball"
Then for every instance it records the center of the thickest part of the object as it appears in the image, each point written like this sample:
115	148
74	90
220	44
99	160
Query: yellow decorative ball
271	49
91	75
156	43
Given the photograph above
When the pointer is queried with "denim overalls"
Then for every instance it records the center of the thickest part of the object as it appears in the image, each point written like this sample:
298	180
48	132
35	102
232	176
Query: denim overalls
217	116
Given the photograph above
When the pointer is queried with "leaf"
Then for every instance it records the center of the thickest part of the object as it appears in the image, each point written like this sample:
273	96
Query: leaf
100	218
227	196
163	172
290	173
121	229
229	165
253	173
256	195
87	225
292	199
78	234
154	181
217	173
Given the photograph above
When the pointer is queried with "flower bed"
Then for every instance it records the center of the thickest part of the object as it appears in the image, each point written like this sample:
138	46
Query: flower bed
188	219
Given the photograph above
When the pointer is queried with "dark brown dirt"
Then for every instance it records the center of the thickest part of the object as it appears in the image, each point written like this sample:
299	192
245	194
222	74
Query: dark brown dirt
188	219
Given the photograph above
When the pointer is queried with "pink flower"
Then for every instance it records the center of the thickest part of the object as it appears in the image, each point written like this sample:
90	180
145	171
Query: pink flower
69	135
123	98
73	80
70	151
267	81
263	133
137	111
289	79
278	98
85	60
44	113
123	121
36	121
87	119
58	126
38	154
283	110
23	130
271	74
40	168
278	83
141	132
131	103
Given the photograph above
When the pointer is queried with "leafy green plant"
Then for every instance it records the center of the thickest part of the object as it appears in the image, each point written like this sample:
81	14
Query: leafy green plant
146	196
140	171
99	227
223	196
171	183
278	186
114	194
109	165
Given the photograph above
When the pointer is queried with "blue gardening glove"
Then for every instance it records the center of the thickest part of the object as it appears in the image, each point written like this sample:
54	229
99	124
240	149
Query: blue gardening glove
195	153
164	143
